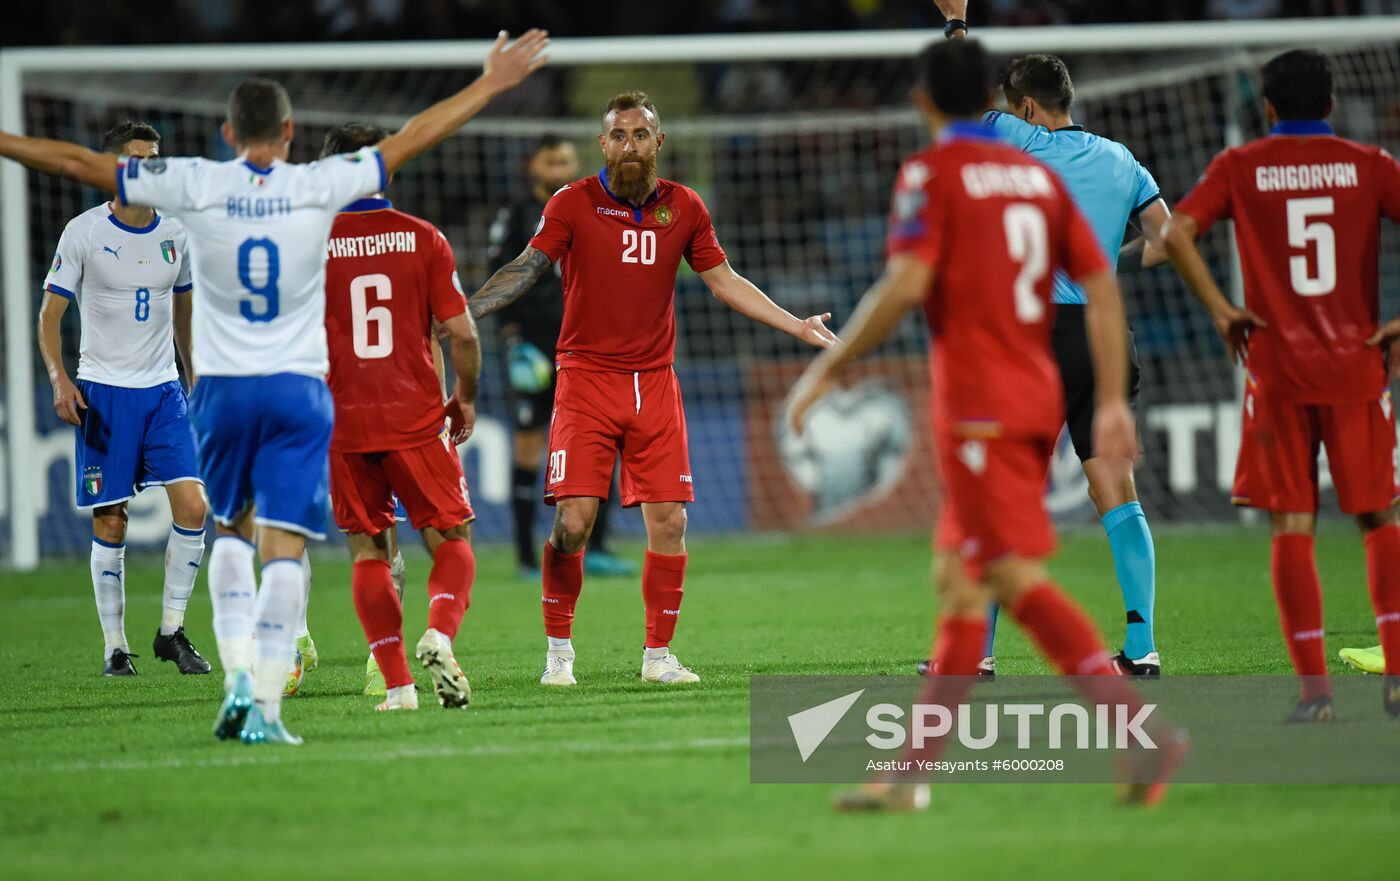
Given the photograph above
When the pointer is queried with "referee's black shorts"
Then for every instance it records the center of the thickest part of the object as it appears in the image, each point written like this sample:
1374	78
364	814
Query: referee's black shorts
1071	345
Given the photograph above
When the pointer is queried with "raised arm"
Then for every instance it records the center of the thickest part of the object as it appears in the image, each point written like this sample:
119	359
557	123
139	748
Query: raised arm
744	297
62	159
67	400
510	282
1232	323
904	285
507	65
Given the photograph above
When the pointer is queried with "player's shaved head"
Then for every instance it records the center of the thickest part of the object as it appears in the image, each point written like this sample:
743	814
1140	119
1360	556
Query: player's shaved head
123	133
1299	84
351	137
956	75
257	111
1043	78
631	101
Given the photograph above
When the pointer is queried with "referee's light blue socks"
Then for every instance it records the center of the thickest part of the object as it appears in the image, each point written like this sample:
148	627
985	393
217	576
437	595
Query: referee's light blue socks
992	610
1136	563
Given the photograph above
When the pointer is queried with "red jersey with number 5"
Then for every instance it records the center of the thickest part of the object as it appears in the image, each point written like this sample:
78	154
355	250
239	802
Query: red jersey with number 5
388	276
1307	208
994	225
619	268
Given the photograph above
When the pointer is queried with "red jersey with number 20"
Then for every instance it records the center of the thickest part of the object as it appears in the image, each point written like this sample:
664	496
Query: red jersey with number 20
619	268
388	276
1307	208
994	225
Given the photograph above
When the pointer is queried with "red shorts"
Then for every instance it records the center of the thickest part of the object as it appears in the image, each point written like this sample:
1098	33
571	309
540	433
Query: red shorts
428	481
1279	440
599	415
993	500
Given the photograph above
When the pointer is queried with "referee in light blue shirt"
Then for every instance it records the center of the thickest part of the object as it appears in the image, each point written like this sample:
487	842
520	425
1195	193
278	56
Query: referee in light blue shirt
1111	188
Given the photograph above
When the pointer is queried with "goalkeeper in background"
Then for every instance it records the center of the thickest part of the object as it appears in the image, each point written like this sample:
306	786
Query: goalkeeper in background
529	330
1111	189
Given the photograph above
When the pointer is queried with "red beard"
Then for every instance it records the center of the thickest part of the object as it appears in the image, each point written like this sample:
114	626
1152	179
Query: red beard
632	179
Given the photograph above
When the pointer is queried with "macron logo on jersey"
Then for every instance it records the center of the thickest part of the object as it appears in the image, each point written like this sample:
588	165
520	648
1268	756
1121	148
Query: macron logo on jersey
1331	175
403	242
985	180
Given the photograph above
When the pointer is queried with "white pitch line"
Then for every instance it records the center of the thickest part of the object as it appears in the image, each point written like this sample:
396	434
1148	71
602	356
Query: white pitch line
283	755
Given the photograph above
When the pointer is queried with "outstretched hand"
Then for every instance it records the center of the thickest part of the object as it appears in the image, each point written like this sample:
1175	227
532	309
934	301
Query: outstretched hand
1234	326
812	387
815	332
1387	338
507	65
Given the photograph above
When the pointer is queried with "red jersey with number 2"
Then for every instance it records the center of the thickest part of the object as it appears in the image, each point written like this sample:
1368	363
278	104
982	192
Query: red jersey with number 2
994	225
1307	208
388	276
619	268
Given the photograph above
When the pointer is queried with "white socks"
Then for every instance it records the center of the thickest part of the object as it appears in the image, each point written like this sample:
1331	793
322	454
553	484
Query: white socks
302	628
232	587
277	609
183	553
560	645
108	586
398	572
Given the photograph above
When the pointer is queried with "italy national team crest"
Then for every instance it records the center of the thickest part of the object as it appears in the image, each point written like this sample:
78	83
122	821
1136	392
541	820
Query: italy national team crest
663	215
167	250
92	480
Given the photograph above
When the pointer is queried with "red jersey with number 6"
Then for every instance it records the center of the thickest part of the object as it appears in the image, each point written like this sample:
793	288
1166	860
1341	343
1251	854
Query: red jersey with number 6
619	268
994	225
1307	208
388	276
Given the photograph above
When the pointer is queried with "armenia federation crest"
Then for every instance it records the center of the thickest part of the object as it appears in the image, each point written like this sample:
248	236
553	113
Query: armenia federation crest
663	215
167	250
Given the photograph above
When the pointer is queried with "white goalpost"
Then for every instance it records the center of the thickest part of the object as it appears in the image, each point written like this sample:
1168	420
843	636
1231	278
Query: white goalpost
793	140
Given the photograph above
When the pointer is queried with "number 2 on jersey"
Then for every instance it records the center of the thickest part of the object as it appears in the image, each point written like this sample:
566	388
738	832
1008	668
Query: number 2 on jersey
268	289
362	316
1303	229
1027	244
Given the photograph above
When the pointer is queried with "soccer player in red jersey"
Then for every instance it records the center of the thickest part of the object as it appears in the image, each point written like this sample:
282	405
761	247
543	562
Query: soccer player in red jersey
1307	208
619	238
977	229
390	278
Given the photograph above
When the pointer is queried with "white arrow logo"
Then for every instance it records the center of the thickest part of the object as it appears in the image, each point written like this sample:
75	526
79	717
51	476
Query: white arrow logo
811	726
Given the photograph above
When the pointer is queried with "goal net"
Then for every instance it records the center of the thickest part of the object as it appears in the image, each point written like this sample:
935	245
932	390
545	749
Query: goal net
794	143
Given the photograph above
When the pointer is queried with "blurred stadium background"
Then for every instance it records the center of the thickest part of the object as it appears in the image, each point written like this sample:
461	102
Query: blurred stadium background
789	117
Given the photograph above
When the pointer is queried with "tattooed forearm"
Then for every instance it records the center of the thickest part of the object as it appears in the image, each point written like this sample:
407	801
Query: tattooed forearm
510	283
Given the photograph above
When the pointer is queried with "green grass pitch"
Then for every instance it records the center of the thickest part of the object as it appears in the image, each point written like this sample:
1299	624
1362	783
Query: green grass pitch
121	778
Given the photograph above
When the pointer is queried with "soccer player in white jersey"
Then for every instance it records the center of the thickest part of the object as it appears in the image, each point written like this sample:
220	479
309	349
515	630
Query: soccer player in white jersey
128	270
262	413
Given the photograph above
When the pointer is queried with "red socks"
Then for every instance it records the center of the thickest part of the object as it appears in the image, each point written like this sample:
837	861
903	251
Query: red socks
663	576
563	580
956	652
1383	574
1299	595
450	586
1064	633
381	616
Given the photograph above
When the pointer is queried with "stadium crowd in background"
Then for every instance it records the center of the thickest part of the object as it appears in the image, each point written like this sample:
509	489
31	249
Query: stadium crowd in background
219	21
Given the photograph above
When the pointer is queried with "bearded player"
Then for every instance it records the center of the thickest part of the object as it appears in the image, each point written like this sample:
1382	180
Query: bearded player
389	278
619	238
1307	207
977	229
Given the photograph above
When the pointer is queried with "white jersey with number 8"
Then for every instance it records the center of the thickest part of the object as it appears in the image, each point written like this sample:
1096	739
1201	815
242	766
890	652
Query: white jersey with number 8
258	241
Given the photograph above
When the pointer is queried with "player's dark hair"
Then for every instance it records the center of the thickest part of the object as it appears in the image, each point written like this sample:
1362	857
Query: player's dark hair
351	137
1042	77
257	109
548	141
1299	84
632	101
125	132
957	76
